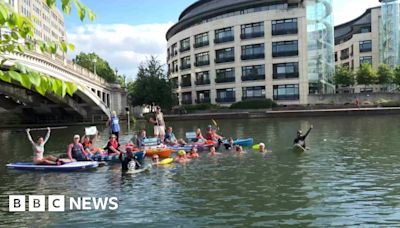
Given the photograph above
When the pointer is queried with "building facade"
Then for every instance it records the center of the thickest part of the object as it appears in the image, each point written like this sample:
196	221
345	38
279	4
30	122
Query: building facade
48	23
223	51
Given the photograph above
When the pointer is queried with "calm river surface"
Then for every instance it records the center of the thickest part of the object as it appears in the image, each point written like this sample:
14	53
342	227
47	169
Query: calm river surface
350	179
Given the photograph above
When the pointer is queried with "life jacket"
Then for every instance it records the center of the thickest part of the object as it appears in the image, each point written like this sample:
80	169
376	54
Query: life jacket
114	144
87	145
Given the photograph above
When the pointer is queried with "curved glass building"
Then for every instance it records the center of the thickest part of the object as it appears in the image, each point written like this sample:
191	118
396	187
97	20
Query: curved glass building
224	51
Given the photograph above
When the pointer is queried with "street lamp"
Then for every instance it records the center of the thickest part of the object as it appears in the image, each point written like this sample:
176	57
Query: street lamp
94	64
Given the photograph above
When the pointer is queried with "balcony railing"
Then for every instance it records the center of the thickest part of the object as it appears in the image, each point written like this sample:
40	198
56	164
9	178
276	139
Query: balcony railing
185	66
285	53
277	32
224	39
253	98
224	79
366	49
251	35
225	59
202	63
226	100
202	82
252	56
186	84
183	49
286	75
205	100
253	77
201	44
286	97
344	56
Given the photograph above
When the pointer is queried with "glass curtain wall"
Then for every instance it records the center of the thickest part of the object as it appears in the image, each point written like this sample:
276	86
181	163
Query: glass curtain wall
390	33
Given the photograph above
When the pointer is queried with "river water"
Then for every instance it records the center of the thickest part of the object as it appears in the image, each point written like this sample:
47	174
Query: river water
349	177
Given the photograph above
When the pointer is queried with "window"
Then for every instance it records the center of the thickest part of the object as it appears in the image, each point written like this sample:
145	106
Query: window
366	60
365	29
186	80
286	92
255	51
174	50
252	30
203	78
224	35
174	66
256	72
187	98
365	46
285	70
344	54
185	63
226	95
283	27
285	48
201	40
255	92
203	97
225	75
185	45
202	59
225	55
336	57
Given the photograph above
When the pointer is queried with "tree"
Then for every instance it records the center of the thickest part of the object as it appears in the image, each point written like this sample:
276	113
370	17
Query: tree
396	72
366	75
151	85
103	69
343	76
22	28
385	74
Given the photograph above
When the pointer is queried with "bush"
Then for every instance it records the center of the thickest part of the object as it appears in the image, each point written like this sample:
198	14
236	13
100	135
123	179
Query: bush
390	104
254	104
190	108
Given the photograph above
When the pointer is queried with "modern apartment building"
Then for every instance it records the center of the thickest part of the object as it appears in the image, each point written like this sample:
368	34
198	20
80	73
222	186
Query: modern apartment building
224	51
49	23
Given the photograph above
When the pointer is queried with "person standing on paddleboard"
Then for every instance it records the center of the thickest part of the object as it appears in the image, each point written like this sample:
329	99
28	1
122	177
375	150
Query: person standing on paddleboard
113	122
159	124
301	139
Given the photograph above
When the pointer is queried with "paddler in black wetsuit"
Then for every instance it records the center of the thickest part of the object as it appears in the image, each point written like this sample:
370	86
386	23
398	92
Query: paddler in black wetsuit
301	139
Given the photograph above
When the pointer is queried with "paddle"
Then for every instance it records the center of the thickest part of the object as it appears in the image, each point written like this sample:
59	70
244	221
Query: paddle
45	128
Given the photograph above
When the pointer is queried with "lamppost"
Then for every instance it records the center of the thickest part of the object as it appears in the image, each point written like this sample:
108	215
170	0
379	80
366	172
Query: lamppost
94	64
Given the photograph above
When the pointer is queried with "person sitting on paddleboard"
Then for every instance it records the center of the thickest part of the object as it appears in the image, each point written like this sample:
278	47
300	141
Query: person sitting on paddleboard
87	144
139	141
171	140
38	150
199	136
212	135
112	146
76	150
129	160
193	153
301	139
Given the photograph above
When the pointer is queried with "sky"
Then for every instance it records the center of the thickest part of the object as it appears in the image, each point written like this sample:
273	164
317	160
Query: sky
127	32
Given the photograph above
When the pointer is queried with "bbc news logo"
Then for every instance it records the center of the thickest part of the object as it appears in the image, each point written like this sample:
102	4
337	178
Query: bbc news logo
57	203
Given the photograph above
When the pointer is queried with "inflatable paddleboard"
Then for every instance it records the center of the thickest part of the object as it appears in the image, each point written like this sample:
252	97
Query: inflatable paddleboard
241	142
69	167
298	148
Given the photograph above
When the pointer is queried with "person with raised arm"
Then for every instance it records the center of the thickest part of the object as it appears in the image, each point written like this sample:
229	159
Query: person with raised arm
38	150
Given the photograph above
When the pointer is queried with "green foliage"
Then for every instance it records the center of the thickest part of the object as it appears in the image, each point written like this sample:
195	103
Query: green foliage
22	28
151	86
343	76
103	69
385	74
396	72
366	75
254	104
198	107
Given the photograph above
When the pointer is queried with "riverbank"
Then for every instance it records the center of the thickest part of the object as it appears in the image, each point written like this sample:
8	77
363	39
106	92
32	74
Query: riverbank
252	114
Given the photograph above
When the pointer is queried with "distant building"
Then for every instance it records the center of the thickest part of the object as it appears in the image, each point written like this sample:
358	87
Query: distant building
49	23
223	51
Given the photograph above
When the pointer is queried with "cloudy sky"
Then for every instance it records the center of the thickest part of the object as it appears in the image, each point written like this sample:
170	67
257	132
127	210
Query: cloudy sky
126	32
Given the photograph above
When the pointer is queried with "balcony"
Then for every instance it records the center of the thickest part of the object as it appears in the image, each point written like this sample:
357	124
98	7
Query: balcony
202	63
224	79
201	44
254	77
287	97
285	53
277	32
183	49
226	100
185	66
202	82
286	75
253	98
225	59
224	39
252	56
251	35
344	56
205	100
186	84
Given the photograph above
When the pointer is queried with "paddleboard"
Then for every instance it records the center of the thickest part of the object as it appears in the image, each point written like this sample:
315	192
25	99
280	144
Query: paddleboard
68	167
298	148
